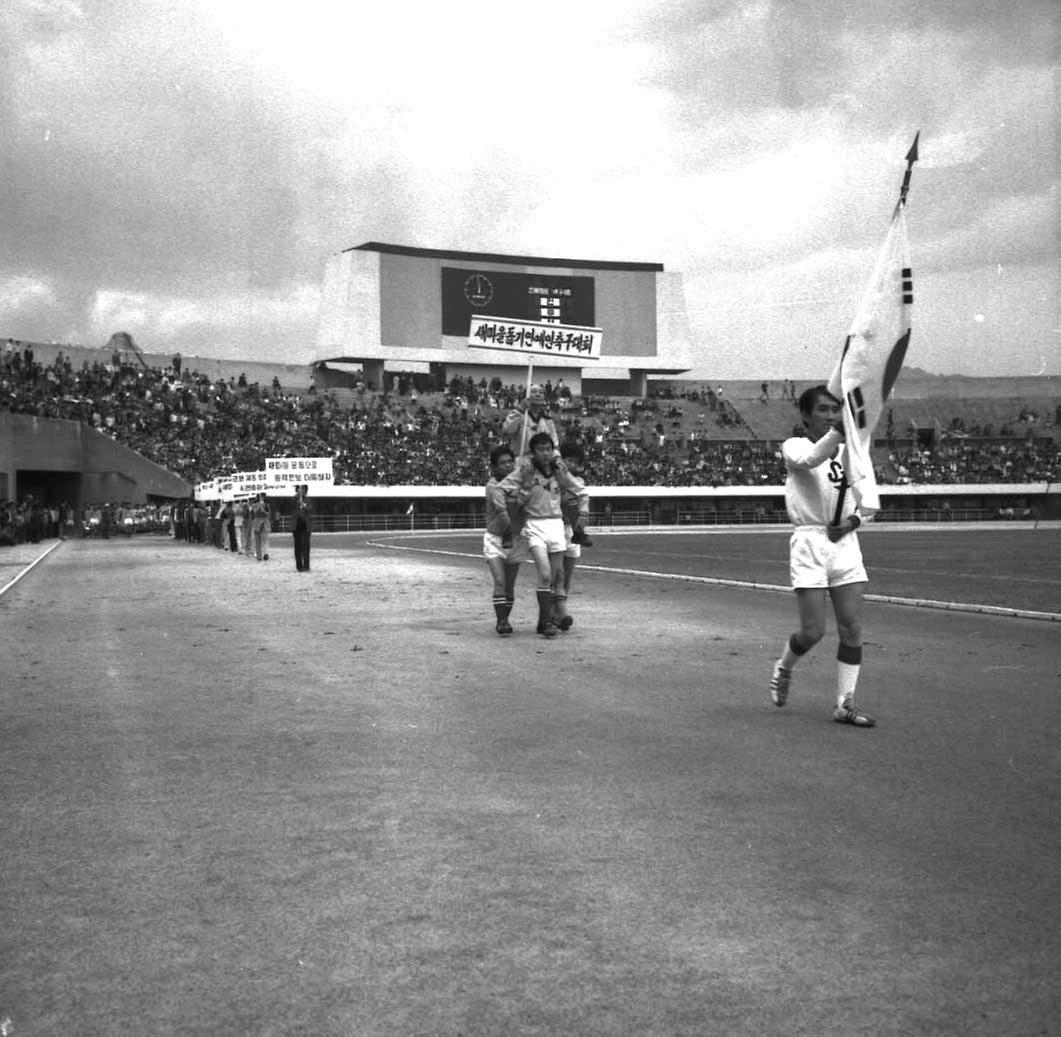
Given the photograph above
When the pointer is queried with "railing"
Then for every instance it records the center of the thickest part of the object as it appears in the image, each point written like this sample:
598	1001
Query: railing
620	519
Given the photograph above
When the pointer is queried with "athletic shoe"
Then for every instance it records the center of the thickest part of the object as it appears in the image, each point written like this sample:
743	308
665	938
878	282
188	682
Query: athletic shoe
504	627
548	630
265	557
779	684
565	624
847	714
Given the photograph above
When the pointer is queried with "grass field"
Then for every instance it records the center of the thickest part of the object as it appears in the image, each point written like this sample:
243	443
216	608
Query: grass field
244	800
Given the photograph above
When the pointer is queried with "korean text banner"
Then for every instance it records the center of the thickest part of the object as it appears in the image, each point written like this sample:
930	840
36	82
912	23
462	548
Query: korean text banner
289	472
521	336
248	484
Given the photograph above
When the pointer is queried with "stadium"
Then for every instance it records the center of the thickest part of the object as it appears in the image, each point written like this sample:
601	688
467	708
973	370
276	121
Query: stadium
245	797
760	739
407	404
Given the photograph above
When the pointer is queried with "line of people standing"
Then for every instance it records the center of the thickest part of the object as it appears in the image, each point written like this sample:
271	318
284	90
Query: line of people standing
242	527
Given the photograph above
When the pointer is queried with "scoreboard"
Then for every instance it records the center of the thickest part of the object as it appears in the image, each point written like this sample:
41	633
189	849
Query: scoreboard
543	298
386	304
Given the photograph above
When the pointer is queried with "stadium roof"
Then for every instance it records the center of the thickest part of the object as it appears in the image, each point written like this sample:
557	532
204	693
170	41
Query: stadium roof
494	257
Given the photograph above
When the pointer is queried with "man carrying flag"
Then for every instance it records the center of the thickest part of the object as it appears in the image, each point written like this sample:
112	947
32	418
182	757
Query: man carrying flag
834	457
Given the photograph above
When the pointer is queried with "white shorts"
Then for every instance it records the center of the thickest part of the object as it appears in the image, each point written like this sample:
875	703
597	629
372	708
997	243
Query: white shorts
547	533
492	548
572	550
814	561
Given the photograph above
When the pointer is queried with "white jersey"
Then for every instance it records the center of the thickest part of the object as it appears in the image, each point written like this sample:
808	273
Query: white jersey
814	480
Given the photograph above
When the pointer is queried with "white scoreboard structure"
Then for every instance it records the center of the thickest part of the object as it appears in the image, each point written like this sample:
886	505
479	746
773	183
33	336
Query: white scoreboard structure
396	307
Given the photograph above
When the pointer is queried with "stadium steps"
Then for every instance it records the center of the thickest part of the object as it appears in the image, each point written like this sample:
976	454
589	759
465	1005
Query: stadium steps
991	411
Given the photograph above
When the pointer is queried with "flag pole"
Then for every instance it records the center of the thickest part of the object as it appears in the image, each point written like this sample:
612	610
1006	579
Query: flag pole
911	158
526	408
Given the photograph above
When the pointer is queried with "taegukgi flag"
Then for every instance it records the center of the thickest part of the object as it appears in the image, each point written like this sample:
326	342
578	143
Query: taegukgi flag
874	352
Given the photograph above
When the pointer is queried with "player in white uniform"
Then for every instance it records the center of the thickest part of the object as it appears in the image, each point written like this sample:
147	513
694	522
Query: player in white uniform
824	554
574	503
535	486
503	547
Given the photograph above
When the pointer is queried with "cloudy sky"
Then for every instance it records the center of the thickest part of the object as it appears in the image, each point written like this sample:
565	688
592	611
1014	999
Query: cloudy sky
181	169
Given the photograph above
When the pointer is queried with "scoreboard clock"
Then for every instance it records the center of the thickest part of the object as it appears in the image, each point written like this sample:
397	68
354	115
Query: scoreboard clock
543	298
479	290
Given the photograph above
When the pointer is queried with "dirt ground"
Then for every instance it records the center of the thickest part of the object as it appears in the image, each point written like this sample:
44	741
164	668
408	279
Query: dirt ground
240	799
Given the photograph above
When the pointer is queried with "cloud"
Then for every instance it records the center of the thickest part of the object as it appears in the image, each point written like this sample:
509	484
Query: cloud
23	293
189	165
168	317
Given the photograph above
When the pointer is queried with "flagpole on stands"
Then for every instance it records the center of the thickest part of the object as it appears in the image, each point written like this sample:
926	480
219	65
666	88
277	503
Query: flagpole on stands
526	408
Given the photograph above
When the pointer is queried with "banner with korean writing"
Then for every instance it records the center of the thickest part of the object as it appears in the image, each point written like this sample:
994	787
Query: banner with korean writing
523	336
206	490
248	484
289	472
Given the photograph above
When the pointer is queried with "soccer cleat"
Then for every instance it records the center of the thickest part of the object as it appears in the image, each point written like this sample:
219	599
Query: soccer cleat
548	630
565	623
847	714
779	684
504	627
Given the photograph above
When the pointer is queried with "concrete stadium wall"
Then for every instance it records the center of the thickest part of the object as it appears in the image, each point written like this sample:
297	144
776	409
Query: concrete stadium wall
69	461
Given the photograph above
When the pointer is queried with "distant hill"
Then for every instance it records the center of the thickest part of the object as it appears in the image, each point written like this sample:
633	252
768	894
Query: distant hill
913	384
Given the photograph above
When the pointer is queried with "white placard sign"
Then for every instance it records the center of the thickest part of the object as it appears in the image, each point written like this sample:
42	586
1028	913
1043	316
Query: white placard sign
206	490
289	472
248	484
534	339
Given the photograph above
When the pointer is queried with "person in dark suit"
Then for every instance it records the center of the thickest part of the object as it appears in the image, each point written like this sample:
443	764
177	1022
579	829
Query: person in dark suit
303	514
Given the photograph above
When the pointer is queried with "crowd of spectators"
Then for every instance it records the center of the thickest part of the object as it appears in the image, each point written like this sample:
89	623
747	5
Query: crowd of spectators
962	461
399	434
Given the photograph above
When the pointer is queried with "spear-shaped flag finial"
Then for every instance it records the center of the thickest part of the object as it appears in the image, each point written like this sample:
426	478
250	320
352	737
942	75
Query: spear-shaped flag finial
911	158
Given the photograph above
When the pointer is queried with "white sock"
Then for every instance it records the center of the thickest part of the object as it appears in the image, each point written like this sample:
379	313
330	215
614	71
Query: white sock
846	679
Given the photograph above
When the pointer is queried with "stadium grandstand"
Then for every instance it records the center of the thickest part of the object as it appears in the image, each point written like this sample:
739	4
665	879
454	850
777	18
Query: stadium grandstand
81	426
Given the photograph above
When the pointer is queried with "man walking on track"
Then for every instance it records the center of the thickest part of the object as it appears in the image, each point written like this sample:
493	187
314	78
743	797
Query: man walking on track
503	547
303	512
535	485
824	553
260	522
